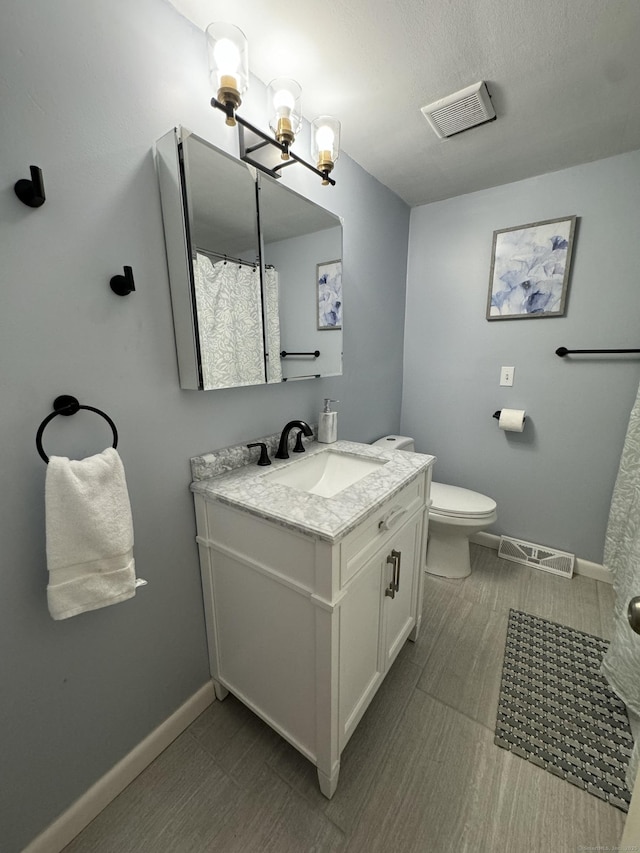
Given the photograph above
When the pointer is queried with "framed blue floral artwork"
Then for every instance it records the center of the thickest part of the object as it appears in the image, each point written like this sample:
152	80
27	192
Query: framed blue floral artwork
329	282
530	270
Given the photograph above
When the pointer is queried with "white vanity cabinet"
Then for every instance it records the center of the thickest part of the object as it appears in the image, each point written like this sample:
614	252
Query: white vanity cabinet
302	629
380	612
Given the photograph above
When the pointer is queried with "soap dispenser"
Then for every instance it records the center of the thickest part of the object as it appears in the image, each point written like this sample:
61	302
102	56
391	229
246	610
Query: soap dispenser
328	423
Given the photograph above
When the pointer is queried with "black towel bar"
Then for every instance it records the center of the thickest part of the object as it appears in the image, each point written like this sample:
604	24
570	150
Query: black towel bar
67	405
315	353
562	351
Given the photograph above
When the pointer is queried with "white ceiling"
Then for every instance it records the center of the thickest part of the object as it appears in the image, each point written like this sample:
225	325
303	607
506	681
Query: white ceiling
564	78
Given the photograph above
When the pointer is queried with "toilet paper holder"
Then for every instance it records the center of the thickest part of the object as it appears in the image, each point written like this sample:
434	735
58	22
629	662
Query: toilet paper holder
496	415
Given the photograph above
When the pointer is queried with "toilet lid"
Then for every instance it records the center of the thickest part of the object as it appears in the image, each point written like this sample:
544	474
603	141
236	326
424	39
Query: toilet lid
454	501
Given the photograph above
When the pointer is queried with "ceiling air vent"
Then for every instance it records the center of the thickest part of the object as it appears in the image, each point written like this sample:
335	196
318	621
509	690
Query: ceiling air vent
464	109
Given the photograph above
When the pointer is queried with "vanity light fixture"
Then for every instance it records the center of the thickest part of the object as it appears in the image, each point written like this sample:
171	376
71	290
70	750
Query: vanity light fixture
228	66
229	74
286	117
325	143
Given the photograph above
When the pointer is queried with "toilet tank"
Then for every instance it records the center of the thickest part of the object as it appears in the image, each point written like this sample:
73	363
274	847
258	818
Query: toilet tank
396	442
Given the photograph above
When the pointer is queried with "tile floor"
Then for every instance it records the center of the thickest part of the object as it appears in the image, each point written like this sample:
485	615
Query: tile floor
421	774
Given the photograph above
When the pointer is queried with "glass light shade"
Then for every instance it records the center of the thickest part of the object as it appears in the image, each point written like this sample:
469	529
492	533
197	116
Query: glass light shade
285	113
325	142
228	63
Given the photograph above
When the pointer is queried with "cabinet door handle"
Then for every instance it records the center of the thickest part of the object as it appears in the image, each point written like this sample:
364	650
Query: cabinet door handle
397	558
391	589
390	520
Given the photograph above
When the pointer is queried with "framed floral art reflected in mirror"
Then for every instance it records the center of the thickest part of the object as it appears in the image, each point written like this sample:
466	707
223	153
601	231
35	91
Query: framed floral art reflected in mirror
329	283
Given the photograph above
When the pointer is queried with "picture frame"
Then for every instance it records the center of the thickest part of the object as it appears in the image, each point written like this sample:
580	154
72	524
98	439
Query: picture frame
329	295
530	266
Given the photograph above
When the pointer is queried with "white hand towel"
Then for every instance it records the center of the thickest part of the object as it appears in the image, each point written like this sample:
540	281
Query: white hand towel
89	534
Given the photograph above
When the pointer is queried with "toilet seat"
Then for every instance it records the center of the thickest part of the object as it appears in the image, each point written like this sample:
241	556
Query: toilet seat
455	502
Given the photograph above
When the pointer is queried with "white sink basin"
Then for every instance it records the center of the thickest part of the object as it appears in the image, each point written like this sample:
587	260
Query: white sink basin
325	473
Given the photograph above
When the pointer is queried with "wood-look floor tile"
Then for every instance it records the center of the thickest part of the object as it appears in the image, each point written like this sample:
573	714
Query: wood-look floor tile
465	667
248	746
220	722
274	819
178	803
362	755
495	583
532	809
423	796
445	787
502	584
441	603
606	601
572	602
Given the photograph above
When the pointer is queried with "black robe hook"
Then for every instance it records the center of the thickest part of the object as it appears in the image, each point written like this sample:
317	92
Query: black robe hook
123	285
31	192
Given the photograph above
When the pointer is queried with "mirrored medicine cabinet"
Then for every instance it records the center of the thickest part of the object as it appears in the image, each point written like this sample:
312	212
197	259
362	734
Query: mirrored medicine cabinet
248	259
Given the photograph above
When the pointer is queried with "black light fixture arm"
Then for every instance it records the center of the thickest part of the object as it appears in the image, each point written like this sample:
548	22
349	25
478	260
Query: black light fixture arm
228	109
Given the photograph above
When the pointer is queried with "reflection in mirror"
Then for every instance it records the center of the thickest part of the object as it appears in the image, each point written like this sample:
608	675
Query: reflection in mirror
231	303
208	208
221	198
299	240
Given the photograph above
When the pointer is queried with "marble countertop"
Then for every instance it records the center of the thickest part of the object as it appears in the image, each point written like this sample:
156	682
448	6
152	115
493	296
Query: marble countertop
249	487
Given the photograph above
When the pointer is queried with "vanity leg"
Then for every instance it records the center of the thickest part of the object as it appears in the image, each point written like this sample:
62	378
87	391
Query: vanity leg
413	636
220	691
329	783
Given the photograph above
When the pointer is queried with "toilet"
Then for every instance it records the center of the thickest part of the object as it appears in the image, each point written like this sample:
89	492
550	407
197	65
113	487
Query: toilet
455	514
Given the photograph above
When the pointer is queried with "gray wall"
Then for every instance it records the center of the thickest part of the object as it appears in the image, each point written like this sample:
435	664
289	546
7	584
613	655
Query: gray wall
553	482
86	90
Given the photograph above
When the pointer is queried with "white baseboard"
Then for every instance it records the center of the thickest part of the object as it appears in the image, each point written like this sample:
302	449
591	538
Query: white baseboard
71	822
581	567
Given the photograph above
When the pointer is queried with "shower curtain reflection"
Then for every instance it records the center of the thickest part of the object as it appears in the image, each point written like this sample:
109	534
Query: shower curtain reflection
272	314
229	308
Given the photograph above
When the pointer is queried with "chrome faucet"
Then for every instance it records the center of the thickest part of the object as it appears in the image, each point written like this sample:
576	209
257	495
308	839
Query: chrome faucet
283	447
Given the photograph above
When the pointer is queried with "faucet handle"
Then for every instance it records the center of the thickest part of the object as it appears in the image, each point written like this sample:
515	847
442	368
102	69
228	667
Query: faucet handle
264	456
299	447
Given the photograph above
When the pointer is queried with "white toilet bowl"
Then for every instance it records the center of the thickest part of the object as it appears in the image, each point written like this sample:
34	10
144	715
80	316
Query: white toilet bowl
455	514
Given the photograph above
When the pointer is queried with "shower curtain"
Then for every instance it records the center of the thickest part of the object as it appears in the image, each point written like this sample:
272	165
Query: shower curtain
272	313
621	664
229	306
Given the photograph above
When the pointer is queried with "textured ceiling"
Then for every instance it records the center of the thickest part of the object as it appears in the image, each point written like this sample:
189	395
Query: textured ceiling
564	78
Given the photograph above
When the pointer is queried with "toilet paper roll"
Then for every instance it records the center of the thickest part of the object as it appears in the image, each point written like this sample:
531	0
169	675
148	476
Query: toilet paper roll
512	420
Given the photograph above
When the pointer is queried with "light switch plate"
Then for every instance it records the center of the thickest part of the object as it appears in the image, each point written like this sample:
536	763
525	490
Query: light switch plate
506	375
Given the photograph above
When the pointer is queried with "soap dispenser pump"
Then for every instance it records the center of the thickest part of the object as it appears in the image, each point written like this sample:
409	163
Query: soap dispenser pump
328	423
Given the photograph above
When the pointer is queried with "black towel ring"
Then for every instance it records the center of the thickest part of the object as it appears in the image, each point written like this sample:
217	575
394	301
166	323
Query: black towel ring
67	405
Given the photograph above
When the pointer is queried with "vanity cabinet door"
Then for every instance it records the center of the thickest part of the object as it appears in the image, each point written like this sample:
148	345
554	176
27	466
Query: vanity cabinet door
374	623
361	654
400	610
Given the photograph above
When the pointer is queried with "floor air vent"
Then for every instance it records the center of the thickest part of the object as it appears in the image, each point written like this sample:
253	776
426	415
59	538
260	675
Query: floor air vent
547	559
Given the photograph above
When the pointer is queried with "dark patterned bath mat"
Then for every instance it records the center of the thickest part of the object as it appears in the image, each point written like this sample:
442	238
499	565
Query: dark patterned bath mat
557	711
